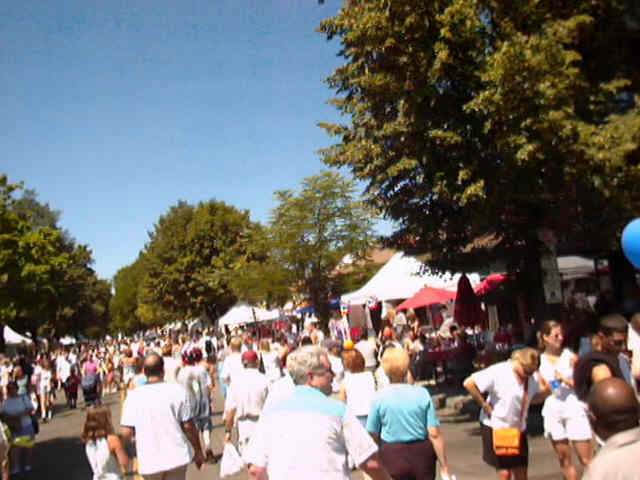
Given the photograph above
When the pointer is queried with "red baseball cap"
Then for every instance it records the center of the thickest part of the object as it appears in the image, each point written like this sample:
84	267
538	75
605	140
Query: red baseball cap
249	356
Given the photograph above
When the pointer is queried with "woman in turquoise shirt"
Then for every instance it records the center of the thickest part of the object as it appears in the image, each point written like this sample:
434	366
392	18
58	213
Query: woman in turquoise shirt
404	422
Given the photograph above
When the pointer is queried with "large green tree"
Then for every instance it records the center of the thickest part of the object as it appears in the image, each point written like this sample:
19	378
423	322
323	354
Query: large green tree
472	119
191	259
47	285
313	229
124	303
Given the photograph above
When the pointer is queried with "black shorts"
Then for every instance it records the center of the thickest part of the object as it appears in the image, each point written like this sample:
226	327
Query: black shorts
503	462
409	461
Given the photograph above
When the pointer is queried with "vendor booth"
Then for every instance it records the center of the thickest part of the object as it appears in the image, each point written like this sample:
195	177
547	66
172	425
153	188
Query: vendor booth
11	337
243	313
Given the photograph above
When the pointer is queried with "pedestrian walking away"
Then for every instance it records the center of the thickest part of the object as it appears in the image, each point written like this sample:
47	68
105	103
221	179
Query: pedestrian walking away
160	415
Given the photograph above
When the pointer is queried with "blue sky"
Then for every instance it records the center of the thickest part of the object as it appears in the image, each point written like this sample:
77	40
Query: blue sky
114	110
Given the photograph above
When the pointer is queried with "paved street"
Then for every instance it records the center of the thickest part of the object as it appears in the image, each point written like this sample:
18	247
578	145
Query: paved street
60	455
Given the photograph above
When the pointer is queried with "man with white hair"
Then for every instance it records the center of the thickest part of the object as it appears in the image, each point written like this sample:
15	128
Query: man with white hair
309	435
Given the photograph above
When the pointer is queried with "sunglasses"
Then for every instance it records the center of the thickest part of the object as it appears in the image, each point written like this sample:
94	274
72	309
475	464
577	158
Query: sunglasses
324	371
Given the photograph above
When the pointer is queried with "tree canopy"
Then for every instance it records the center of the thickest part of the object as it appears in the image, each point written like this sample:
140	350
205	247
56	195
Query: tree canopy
469	118
46	283
124	303
313	229
189	267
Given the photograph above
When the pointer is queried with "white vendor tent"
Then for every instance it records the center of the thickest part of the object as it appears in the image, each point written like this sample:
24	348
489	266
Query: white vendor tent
242	312
11	337
573	266
68	340
402	277
263	315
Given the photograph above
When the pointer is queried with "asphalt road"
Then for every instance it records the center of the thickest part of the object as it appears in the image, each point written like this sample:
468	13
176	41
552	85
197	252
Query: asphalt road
59	452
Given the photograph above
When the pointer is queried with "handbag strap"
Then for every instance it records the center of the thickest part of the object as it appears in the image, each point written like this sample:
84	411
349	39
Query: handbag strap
26	405
525	397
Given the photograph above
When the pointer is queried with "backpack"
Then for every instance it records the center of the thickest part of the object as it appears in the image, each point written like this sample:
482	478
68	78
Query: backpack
89	382
208	347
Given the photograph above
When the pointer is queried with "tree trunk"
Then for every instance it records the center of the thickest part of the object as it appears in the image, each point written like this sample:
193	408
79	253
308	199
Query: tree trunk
622	275
531	279
319	293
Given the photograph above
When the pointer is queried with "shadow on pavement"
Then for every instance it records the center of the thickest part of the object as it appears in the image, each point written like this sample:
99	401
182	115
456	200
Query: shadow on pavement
61	458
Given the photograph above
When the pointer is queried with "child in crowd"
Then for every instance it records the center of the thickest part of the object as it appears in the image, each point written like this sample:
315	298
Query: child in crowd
72	388
106	455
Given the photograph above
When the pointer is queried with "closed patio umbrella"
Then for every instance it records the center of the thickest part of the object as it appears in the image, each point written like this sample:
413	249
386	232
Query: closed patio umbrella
467	311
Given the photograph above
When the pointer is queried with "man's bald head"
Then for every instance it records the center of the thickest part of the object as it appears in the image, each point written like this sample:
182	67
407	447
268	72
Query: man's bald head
614	405
153	365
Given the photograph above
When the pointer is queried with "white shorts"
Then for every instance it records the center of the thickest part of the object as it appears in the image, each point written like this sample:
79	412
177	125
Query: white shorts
575	428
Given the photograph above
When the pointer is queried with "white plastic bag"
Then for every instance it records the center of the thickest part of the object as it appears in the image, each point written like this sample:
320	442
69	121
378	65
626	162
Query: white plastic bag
231	462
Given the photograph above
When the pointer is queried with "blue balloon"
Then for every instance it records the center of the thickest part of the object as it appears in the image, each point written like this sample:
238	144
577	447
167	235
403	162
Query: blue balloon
631	242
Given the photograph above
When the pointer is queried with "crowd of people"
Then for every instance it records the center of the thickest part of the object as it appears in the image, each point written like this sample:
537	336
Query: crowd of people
313	404
569	386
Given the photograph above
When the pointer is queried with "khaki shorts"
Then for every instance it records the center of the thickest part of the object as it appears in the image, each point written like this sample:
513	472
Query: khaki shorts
179	473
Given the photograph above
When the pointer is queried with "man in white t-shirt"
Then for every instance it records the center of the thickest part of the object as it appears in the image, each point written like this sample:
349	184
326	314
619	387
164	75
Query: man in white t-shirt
171	365
246	400
160	415
63	369
232	365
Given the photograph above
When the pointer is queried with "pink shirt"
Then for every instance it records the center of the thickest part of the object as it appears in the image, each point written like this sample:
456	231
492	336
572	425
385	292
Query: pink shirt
90	368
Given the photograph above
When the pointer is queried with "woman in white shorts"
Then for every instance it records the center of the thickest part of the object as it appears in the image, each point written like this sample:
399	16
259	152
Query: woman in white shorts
44	389
565	417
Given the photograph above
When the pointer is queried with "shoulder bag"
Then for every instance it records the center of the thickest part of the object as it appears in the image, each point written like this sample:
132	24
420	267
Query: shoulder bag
507	442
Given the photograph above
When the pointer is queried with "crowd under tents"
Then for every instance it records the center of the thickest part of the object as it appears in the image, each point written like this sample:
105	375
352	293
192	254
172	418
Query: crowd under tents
402	277
406	282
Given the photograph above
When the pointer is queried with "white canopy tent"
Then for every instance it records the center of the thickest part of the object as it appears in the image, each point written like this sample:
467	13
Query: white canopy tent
242	312
402	277
267	315
68	340
573	266
11	337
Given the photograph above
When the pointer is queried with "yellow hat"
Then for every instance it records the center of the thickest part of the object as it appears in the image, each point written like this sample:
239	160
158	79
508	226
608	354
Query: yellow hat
348	344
